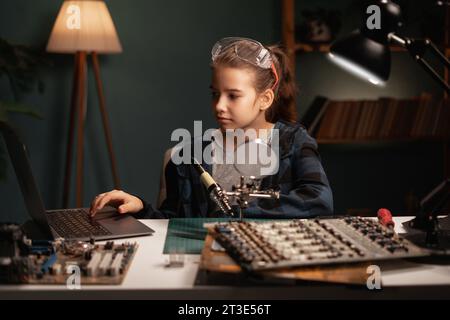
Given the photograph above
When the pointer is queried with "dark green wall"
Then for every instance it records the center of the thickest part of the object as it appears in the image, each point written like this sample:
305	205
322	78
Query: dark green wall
160	82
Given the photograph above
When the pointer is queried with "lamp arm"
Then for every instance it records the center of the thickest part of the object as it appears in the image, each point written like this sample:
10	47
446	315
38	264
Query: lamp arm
438	53
433	73
417	48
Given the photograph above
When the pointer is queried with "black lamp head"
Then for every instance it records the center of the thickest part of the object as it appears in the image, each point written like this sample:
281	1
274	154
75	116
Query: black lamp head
364	57
365	52
390	22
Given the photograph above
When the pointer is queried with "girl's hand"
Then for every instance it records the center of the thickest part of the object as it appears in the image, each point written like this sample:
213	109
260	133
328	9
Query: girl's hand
124	202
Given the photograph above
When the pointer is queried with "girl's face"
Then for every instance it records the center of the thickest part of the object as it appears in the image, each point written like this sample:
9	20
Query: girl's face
235	102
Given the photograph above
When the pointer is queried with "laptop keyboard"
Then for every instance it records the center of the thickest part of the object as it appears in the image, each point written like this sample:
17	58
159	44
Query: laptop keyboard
75	223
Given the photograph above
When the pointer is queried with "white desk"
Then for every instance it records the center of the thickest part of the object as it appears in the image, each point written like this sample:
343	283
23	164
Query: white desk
148	277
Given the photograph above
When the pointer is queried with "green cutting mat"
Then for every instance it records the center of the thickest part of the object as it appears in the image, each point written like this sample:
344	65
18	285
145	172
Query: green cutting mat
187	235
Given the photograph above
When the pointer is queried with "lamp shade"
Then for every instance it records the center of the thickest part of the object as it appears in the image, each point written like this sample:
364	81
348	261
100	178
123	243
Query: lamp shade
365	52
362	56
84	25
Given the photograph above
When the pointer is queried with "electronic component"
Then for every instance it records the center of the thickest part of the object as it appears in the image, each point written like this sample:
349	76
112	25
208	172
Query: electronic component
106	262
93	265
385	218
216	193
291	243
175	260
52	262
116	265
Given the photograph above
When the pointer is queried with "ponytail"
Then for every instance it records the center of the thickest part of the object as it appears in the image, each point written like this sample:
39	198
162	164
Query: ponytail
284	106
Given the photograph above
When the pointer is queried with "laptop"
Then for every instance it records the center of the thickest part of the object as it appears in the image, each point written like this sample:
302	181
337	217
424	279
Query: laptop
72	224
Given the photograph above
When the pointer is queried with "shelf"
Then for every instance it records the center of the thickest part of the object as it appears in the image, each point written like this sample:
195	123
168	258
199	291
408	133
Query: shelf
381	140
325	47
304	47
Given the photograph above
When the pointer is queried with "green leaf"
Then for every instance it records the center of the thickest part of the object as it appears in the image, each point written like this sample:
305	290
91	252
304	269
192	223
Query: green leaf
20	108
21	64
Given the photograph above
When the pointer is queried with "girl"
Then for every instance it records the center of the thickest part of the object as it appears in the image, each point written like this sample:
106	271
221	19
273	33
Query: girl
252	88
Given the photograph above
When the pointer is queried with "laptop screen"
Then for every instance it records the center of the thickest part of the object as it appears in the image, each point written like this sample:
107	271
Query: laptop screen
19	159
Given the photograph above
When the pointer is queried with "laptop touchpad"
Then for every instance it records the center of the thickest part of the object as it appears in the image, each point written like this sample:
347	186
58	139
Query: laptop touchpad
124	224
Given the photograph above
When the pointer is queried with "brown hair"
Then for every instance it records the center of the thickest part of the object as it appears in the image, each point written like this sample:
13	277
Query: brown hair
283	106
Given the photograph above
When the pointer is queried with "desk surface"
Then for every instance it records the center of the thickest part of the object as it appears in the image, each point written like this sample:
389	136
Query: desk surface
148	277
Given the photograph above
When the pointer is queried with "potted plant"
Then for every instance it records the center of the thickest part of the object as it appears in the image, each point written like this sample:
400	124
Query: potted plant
19	70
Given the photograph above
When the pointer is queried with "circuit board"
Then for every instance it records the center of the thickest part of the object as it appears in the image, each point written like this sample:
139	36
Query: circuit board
55	262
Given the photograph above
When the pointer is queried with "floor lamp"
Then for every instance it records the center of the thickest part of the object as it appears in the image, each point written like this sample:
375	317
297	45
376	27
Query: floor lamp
84	28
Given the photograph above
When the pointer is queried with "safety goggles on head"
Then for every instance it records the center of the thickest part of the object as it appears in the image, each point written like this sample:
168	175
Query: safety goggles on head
248	50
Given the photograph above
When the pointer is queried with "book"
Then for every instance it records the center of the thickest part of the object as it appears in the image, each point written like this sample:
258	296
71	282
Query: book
384	118
314	115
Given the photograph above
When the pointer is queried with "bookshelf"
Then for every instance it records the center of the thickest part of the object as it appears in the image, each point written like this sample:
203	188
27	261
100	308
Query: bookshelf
293	47
372	127
383	120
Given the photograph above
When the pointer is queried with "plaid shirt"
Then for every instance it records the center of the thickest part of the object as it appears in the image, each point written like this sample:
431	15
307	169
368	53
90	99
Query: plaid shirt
304	188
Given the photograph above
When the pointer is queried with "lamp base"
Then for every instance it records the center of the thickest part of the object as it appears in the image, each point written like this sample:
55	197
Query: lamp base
436	238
